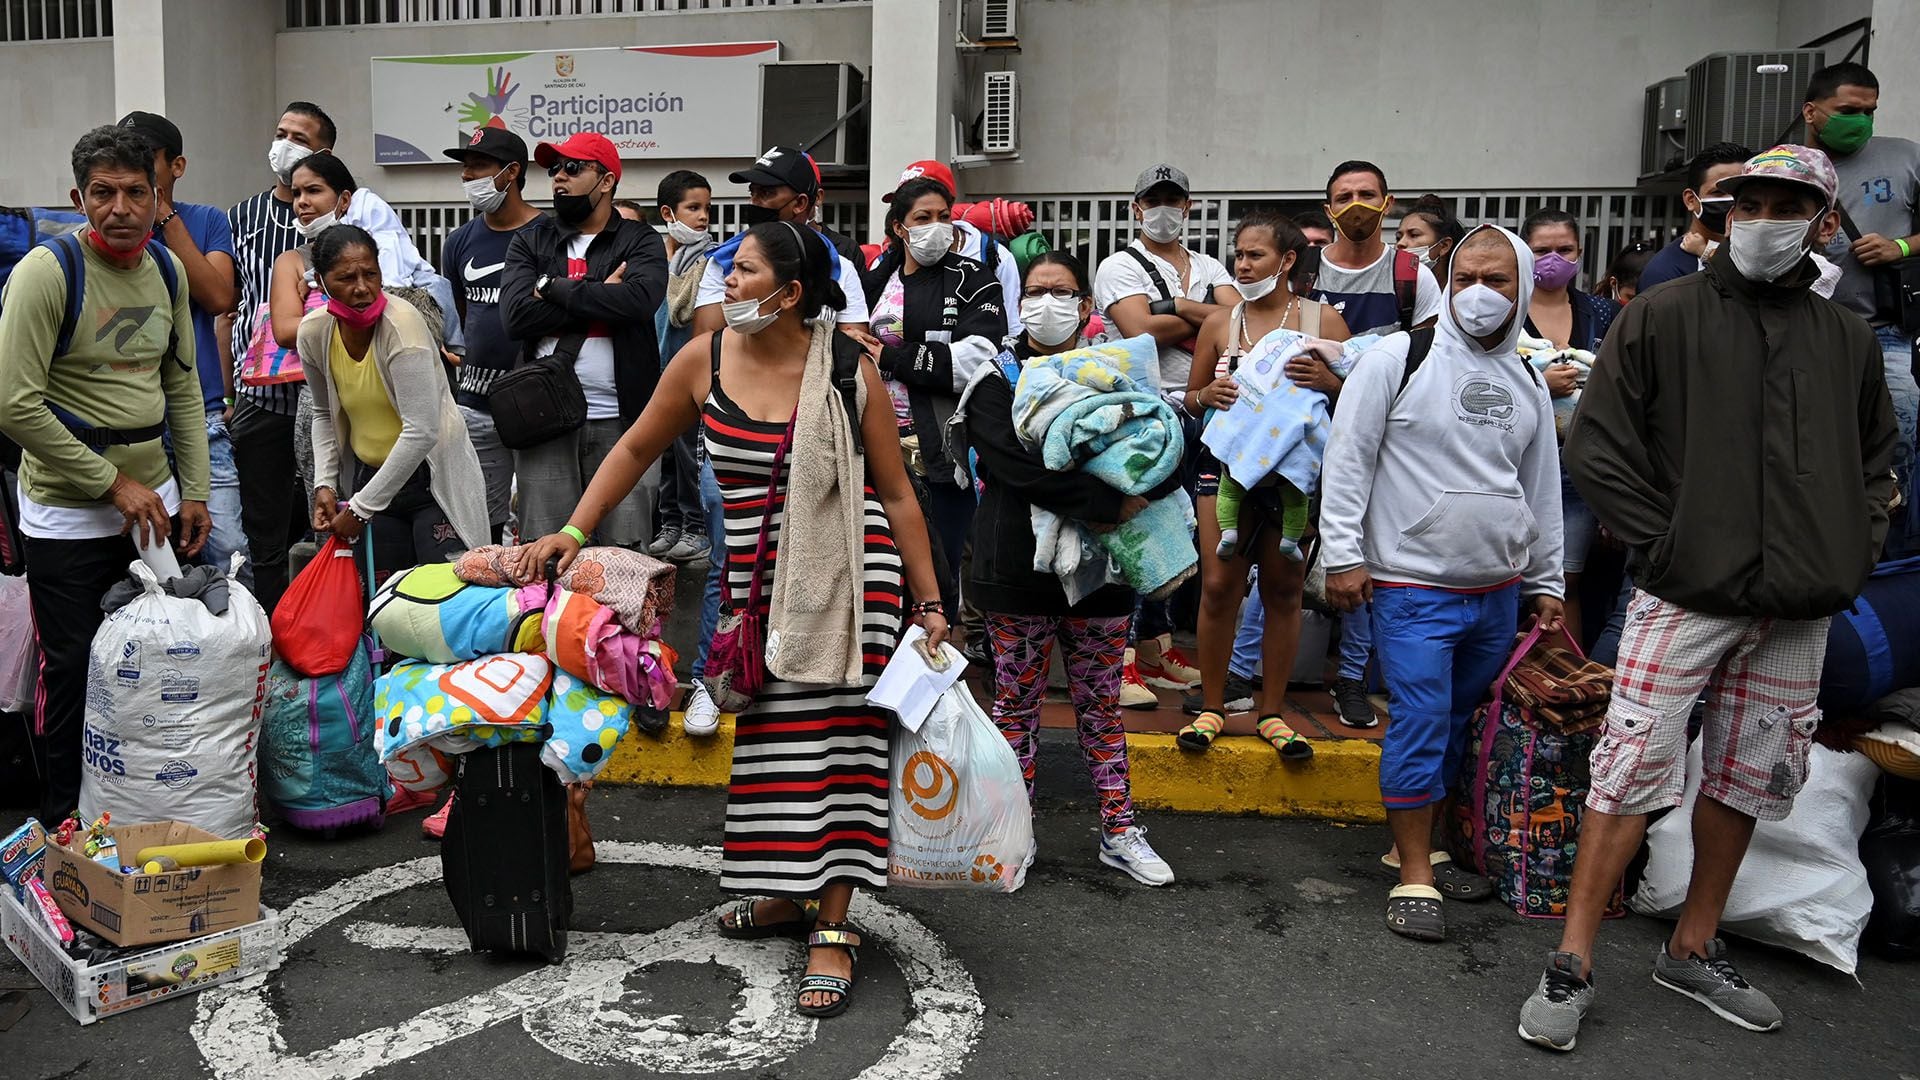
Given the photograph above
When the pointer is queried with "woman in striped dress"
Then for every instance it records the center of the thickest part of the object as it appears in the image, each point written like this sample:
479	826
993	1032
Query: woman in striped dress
807	807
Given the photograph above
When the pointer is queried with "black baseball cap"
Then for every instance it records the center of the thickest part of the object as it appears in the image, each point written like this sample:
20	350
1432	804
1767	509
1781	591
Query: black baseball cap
159	130
499	144
782	166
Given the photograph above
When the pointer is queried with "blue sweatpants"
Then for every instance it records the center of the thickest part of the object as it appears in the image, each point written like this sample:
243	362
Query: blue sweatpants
1441	651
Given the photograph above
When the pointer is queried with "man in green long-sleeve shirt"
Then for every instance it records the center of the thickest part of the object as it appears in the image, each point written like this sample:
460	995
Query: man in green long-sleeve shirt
94	474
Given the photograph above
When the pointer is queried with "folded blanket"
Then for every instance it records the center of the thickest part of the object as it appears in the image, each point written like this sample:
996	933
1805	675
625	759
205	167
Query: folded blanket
1083	411
1276	427
1541	354
637	587
428	613
427	712
586	725
585	640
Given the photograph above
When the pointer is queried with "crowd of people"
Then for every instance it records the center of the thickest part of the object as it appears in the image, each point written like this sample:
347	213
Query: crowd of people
610	373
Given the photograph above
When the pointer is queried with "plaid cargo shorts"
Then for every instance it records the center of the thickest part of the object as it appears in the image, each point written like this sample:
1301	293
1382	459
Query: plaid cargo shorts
1761	676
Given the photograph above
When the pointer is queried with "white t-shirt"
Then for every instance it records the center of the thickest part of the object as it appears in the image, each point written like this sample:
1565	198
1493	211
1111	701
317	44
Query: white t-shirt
595	363
44	522
1121	275
713	290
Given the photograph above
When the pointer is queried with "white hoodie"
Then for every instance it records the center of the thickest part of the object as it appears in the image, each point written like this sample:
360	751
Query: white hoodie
1456	484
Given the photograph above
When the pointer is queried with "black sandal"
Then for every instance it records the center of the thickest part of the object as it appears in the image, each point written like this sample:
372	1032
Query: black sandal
745	928
1413	911
1200	734
1290	743
829	936
1454	881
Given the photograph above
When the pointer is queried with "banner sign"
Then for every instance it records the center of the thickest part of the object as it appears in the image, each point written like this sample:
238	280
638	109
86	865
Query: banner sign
665	101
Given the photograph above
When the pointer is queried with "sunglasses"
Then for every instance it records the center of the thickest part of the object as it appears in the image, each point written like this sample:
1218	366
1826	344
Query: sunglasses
572	167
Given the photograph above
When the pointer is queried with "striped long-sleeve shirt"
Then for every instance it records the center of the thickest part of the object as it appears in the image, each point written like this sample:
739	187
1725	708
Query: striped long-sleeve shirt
263	229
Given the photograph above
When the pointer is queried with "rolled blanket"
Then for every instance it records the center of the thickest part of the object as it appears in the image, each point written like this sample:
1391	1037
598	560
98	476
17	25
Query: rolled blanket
1050	383
585	640
637	587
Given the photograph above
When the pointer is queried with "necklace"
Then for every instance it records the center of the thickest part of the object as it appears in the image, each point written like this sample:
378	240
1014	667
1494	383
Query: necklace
1285	314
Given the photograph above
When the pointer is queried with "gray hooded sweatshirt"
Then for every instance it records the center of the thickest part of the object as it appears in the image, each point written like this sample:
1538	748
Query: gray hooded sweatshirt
1453	483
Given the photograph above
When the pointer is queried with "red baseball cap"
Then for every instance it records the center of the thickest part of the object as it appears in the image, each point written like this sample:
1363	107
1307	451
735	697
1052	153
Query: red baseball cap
931	170
585	146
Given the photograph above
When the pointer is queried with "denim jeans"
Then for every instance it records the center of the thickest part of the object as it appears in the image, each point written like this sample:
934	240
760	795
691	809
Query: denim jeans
223	501
716	562
1903	532
1356	638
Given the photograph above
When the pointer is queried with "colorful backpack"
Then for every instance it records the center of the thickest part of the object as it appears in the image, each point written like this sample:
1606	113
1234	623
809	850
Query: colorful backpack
317	761
1523	792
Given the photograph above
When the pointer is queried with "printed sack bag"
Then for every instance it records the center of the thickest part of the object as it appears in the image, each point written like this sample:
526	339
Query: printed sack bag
958	813
429	712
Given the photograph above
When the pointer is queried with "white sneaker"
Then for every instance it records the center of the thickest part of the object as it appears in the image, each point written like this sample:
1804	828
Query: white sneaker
702	717
1128	850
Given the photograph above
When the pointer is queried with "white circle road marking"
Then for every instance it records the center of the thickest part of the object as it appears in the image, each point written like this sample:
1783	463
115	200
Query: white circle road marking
571	1008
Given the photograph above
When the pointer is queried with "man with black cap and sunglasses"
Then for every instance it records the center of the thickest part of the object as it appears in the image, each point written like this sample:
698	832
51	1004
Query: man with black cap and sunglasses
202	239
783	185
493	170
590	281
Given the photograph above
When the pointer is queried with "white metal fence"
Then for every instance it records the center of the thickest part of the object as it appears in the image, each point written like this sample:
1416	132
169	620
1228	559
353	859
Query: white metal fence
432	223
326	14
55	20
1096	226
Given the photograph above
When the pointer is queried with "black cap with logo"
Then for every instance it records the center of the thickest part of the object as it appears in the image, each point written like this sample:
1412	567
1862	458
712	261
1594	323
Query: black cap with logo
499	144
159	131
781	166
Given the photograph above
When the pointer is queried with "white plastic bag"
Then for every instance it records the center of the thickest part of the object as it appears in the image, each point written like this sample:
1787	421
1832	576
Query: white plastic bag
958	810
173	710
1802	886
19	654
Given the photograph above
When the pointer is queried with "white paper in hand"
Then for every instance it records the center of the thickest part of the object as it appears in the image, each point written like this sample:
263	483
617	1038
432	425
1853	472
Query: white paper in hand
911	684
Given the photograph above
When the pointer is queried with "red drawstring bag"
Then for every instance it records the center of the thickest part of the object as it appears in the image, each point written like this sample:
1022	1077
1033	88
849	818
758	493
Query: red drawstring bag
318	622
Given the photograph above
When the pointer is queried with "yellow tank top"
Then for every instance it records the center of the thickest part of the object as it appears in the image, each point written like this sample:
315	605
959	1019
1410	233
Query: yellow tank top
372	423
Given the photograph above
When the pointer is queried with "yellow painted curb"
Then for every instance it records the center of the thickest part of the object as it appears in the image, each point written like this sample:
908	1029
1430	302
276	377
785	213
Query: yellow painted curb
1239	775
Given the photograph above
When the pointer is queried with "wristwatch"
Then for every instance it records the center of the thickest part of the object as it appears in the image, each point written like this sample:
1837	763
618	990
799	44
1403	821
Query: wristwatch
540	285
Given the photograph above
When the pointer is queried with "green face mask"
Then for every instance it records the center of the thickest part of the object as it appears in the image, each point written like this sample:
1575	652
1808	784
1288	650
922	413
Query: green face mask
1844	133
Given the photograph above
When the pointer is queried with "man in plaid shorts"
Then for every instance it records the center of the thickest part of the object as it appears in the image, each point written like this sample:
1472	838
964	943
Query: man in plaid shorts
1737	435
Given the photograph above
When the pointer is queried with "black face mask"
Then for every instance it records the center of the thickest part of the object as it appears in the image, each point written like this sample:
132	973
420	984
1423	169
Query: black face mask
572	209
751	215
1713	215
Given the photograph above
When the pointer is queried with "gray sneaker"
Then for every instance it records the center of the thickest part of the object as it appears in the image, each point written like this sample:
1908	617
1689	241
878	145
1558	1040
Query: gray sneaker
1551	1017
1715	983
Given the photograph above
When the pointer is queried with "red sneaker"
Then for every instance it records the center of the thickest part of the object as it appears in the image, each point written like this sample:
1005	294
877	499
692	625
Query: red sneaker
404	800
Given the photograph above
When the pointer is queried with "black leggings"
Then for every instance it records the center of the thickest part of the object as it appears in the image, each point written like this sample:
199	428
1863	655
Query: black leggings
412	529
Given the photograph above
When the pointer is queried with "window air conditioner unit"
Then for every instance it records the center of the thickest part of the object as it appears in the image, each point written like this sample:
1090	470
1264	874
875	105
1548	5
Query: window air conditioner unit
999	19
1663	130
800	100
1000	126
1749	98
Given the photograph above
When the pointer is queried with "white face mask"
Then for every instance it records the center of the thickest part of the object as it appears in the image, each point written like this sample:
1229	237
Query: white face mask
1163	224
685	234
929	243
483	196
1050	320
1257	290
1767	250
1420	253
1480	311
744	316
283	155
309	230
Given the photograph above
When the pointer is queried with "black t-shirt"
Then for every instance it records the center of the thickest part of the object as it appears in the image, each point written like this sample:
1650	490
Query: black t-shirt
475	260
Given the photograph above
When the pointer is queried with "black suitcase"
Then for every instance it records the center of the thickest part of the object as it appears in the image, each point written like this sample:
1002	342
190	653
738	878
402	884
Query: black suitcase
504	856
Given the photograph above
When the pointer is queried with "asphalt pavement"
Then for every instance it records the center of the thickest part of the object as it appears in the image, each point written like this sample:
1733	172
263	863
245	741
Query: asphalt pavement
1268	958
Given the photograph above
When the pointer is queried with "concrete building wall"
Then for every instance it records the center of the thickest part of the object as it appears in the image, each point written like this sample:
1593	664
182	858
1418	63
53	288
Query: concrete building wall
330	67
53	92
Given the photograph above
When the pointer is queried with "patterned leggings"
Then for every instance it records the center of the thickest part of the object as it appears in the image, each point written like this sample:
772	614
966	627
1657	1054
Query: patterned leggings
1096	648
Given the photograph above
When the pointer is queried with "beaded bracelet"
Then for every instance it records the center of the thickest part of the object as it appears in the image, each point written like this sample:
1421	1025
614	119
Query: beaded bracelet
929	607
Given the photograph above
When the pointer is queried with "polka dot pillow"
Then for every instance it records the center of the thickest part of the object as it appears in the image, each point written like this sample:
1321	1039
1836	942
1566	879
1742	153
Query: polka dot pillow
429	711
586	725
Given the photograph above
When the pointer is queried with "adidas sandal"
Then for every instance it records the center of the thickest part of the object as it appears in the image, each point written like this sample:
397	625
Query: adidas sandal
829	936
1290	743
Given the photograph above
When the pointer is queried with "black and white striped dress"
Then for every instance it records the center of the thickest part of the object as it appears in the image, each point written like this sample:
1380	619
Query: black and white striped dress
807	803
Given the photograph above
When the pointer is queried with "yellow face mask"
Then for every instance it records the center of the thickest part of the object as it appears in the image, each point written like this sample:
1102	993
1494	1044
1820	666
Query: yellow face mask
1358	220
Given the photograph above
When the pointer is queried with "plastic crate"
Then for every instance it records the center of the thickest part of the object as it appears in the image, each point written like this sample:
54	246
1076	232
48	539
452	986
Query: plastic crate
89	992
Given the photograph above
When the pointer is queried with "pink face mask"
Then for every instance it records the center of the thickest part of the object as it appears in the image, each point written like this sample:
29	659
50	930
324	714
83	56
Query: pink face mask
358	318
1553	272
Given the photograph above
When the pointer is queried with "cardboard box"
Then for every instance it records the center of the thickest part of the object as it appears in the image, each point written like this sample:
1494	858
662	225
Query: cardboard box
144	909
91	991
